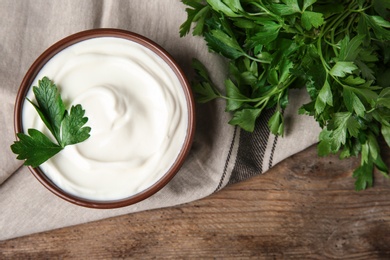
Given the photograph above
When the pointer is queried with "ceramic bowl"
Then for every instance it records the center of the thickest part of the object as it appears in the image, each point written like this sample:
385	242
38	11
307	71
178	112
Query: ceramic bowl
166	57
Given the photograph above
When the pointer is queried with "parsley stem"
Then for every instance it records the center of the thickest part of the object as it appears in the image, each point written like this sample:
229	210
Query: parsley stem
255	59
346	30
363	9
334	27
262	103
201	13
320	53
261	6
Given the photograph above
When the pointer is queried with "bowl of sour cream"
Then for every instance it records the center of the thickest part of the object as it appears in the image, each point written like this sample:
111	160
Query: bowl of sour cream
140	110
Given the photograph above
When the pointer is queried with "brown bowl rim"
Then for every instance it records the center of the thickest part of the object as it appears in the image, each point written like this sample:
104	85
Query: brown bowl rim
146	42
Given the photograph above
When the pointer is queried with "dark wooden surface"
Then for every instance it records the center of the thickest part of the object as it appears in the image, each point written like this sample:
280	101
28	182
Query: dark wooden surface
304	208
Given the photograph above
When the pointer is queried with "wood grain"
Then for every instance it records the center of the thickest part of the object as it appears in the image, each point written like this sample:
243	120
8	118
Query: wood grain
304	208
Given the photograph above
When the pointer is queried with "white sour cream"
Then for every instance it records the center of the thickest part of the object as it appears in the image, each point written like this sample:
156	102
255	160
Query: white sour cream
137	111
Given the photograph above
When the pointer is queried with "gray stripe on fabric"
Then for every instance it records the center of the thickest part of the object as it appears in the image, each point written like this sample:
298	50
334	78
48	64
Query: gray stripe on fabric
251	150
270	164
227	161
271	157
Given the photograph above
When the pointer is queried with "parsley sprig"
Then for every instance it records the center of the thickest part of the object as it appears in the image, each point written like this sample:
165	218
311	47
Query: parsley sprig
66	127
338	50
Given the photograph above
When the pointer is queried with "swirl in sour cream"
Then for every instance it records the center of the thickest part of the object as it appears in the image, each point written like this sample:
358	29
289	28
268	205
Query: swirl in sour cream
137	111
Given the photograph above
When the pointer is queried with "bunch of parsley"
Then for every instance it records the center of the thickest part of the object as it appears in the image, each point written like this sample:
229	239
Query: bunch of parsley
338	50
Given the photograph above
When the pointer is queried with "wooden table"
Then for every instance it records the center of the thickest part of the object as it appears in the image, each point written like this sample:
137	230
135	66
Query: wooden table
303	208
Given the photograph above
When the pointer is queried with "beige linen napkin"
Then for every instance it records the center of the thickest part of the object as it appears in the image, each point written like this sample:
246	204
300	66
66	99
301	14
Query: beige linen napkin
221	154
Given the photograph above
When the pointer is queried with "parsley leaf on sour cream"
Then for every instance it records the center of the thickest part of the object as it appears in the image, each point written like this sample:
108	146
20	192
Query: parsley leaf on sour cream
67	128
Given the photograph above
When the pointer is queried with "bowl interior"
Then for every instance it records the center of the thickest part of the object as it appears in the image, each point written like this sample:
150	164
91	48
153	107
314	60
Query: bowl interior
89	34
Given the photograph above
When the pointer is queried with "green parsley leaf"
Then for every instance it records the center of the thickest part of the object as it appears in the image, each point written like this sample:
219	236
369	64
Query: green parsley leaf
222	43
312	19
353	102
325	96
235	98
379	26
246	118
385	129
288	7
73	131
384	98
342	68
196	14
349	49
204	89
307	3
275	123
353	81
35	147
228	7
363	175
50	106
266	33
